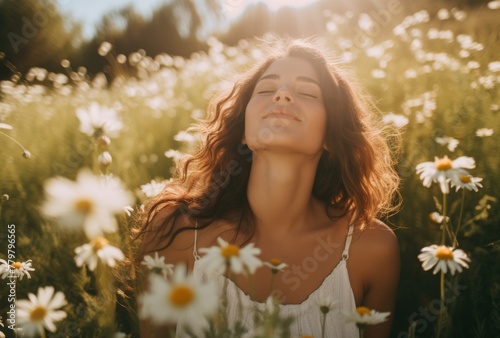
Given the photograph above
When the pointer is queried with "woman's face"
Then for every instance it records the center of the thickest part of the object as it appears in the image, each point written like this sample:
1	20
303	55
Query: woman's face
286	111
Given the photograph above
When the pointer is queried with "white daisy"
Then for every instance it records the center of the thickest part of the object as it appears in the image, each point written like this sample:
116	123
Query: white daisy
494	4
97	121
4	268
444	258
158	264
153	188
449	142
437	218
272	305
363	316
276	265
89	201
175	155
128	210
484	132
325	303
17	269
218	258
442	170
2	335
98	249
397	120
182	298
40	311
466	181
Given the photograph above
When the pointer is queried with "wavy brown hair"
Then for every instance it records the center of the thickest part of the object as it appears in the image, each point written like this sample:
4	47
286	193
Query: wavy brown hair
356	174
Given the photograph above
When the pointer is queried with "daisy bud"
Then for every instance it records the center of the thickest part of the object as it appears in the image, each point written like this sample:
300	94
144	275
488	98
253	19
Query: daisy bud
104	141
5	197
105	159
26	154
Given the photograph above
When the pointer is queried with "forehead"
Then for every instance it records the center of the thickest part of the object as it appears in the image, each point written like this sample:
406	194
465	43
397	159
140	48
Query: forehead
292	67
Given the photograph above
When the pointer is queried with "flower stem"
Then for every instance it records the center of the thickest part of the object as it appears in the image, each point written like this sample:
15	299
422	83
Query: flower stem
455	240
14	140
222	318
441	288
445	223
15	301
107	297
442	309
323	323
270	285
361	332
251	286
1	207
95	161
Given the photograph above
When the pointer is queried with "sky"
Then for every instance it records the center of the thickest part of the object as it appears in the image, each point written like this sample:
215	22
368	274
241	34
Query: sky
89	12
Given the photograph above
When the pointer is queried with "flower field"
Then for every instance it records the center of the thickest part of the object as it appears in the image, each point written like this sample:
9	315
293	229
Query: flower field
80	154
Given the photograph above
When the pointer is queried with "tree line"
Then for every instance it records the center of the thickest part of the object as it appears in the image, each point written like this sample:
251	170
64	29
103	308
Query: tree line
36	33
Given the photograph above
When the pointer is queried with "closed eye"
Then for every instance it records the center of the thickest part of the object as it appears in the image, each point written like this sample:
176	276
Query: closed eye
266	92
309	95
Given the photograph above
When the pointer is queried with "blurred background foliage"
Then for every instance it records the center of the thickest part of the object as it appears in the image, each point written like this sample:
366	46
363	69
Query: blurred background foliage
415	67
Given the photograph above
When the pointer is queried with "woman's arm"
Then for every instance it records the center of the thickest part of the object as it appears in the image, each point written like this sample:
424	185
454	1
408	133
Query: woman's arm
381	266
180	251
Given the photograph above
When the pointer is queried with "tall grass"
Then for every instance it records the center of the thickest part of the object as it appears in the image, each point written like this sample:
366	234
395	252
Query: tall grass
437	75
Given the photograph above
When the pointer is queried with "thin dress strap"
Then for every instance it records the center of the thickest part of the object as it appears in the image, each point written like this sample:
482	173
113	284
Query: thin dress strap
345	253
195	249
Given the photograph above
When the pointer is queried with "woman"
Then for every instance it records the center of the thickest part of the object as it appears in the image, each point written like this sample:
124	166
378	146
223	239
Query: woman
290	162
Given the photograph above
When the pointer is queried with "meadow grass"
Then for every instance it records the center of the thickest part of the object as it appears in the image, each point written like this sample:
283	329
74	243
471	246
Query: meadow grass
439	77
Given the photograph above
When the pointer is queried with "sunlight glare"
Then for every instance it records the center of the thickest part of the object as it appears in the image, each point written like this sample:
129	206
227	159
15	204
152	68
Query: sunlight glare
234	8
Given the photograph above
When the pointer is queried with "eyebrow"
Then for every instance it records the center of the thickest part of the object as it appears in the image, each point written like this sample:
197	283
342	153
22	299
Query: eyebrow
299	78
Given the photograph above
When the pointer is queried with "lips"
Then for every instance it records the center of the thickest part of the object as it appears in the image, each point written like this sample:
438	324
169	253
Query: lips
281	113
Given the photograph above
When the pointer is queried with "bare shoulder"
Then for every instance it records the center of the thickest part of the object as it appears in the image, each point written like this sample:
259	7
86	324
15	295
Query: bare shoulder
175	238
160	231
376	248
377	237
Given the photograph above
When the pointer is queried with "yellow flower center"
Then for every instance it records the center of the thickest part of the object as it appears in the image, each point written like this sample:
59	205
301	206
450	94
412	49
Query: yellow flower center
363	310
181	295
84	206
444	253
17	265
99	243
276	261
307	336
230	250
465	179
443	163
38	313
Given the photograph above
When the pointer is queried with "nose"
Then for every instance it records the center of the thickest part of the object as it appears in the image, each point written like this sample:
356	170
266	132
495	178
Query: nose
282	95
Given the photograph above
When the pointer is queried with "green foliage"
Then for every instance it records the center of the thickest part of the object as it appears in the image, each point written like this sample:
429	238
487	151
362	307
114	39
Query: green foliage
430	82
34	32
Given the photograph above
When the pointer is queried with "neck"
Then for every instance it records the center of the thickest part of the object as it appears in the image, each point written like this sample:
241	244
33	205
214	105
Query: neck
280	191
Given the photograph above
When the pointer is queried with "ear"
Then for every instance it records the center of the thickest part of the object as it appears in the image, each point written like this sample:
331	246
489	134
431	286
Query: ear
325	147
